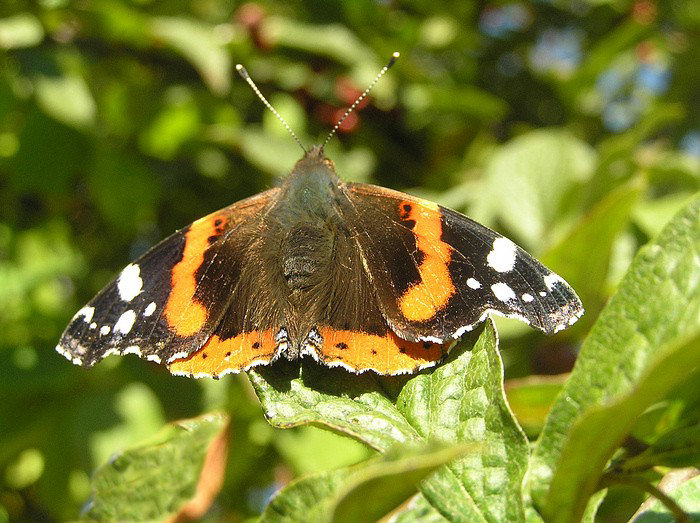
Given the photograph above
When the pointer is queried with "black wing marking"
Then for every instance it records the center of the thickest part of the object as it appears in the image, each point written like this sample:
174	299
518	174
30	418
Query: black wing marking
167	303
467	270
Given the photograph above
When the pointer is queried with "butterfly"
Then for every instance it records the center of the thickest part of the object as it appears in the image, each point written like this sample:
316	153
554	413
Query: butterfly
350	274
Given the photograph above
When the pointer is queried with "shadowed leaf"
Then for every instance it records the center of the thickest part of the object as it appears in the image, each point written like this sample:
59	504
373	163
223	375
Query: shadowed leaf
364	492
172	476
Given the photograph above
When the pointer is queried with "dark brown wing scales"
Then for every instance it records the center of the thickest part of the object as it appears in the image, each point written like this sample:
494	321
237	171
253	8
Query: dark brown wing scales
167	304
347	327
252	329
437	273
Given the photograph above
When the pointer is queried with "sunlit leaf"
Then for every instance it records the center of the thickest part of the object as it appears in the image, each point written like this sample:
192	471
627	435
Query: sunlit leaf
599	431
587	269
529	181
66	98
686	494
198	43
656	309
461	401
334	41
21	30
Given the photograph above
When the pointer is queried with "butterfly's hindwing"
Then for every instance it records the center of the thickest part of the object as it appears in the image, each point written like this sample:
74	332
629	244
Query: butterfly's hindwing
349	329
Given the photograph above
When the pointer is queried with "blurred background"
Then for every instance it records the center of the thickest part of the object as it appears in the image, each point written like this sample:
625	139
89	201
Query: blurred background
572	126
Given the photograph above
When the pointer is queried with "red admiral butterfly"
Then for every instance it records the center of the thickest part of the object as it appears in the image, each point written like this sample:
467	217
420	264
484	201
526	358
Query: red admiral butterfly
353	275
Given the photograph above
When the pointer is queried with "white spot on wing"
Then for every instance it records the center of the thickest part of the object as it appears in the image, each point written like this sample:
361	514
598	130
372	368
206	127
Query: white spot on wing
63	352
543	294
86	312
130	283
133	349
110	352
153	357
125	322
527	298
93	326
502	256
150	309
551	280
502	291
177	356
104	330
474	284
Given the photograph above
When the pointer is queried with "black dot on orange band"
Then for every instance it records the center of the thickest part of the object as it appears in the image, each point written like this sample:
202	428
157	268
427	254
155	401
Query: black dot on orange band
204	356
341	345
228	354
427	344
402	350
256	345
374	351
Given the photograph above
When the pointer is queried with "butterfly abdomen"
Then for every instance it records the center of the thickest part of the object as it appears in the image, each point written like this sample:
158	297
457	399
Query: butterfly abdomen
306	256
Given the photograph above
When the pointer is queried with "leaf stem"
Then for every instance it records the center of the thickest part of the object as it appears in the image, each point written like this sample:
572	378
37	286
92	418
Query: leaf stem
610	478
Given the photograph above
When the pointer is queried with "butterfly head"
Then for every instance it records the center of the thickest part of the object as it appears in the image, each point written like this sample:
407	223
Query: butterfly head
312	183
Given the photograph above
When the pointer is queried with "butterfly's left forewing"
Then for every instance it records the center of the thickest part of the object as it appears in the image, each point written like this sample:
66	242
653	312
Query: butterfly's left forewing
167	304
438	274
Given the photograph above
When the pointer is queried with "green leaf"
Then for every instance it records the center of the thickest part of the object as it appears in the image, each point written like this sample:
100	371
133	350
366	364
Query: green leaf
598	59
113	169
396	480
532	398
600	431
310	449
20	30
156	480
679	447
686	495
357	406
307	499
656	308
469	101
651	215
67	98
333	40
177	123
348	495
417	509
198	43
584	268
529	181
464	401
461	401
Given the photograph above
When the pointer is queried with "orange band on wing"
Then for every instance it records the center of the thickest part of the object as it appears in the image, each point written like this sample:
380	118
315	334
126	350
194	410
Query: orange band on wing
387	354
233	354
182	313
423	300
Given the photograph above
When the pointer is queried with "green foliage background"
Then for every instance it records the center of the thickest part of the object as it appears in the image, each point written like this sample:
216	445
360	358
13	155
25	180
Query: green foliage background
571	126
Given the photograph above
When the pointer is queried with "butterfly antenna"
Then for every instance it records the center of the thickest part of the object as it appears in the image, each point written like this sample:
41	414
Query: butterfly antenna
242	71
392	61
